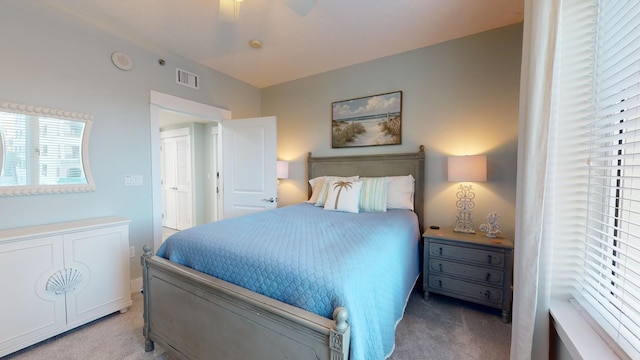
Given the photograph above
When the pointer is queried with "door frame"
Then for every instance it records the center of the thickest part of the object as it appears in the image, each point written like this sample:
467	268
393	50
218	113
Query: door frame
158	101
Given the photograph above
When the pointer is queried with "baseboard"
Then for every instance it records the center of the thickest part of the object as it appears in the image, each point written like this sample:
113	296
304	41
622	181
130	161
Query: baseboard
136	285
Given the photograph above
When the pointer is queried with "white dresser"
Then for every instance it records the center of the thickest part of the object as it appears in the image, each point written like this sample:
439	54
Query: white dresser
56	277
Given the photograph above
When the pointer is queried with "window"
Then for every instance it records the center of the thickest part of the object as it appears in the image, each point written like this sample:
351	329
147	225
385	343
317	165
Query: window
43	150
597	165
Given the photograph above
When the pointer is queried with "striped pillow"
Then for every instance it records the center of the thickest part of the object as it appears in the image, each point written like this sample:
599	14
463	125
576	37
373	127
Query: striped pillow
373	196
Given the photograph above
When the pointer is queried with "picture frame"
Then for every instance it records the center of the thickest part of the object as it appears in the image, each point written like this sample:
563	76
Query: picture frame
367	121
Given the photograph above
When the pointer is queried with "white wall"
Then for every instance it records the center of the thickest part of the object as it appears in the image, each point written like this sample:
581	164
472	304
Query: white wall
50	59
459	97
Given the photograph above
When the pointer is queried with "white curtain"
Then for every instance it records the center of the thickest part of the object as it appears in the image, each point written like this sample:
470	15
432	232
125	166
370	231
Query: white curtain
530	329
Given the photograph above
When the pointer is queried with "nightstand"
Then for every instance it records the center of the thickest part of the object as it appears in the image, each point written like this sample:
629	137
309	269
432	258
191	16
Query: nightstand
470	267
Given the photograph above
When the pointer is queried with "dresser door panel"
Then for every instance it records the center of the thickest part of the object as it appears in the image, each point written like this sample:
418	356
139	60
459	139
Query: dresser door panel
28	311
102	257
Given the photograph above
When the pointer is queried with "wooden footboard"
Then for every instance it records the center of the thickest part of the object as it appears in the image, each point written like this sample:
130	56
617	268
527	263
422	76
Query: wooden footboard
197	316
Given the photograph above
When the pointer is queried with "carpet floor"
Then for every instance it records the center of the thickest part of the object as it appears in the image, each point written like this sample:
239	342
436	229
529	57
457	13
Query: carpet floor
439	329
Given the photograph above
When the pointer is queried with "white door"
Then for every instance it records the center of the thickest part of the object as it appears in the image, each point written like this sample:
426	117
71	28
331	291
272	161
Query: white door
176	181
249	166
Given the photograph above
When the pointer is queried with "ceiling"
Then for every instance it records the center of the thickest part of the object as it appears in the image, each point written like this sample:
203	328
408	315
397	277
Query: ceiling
332	35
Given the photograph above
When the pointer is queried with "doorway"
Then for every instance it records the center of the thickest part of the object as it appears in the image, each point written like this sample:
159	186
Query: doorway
189	171
194	115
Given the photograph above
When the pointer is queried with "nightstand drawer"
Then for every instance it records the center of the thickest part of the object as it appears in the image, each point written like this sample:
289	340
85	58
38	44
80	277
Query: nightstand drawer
475	273
485	294
468	254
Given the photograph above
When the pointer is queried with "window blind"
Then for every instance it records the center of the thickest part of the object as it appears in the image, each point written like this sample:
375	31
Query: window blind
40	150
595	155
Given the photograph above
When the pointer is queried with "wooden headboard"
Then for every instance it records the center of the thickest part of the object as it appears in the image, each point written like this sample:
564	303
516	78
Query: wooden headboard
375	165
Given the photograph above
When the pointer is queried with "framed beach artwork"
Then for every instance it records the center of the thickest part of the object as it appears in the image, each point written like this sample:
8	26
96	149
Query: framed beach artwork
367	121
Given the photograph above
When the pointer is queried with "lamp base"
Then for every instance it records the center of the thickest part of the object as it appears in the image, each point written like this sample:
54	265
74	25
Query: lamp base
466	231
464	220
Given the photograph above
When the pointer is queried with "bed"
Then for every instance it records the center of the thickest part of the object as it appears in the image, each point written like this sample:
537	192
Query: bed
334	310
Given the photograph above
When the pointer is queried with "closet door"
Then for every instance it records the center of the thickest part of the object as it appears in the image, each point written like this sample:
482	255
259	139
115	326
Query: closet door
177	182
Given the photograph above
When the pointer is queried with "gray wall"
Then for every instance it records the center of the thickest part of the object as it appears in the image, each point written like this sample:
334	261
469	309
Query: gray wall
50	59
459	98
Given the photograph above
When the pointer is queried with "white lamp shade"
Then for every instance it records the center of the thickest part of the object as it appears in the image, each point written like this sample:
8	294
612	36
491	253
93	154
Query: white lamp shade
467	168
282	169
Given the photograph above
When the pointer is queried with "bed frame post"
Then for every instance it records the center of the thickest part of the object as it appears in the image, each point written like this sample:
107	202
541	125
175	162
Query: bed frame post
340	336
148	344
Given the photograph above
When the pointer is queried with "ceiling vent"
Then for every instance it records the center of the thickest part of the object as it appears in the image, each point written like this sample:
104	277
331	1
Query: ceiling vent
187	79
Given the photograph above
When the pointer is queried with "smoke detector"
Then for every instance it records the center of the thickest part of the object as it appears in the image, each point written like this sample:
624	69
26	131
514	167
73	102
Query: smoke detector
255	43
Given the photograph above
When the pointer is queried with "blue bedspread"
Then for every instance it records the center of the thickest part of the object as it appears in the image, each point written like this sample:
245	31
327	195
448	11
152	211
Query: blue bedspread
316	260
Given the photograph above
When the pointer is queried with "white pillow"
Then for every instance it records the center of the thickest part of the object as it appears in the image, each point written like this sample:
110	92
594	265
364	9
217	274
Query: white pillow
373	196
316	187
400	191
343	195
327	179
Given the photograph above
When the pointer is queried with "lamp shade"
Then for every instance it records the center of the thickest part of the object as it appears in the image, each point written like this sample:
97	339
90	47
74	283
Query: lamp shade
282	169
467	168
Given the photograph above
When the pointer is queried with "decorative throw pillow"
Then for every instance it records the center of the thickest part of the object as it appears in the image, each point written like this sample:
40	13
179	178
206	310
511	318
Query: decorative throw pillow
325	187
400	191
316	187
343	195
373	196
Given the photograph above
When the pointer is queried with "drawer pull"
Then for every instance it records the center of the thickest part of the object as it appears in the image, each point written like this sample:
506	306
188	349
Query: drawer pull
440	283
489	259
440	250
487	277
440	266
488	294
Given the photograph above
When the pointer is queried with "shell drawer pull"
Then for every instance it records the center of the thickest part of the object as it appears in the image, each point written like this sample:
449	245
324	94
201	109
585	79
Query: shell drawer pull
440	250
64	280
487	294
487	277
440	283
440	266
489	259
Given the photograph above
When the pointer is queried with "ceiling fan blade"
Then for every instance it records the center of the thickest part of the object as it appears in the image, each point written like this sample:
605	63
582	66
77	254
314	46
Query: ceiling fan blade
302	7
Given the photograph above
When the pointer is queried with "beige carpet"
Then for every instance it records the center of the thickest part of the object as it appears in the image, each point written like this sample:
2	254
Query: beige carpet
440	329
444	328
114	337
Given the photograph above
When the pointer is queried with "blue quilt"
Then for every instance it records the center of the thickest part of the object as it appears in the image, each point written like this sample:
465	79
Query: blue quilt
316	260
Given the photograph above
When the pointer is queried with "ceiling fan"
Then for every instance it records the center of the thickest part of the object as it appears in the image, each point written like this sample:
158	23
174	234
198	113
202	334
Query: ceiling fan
229	10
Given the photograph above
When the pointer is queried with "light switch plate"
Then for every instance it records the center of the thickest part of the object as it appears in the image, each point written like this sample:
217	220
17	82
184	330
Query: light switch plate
133	180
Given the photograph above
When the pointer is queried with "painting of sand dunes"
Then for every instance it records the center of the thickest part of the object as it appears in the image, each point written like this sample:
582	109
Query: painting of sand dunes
367	121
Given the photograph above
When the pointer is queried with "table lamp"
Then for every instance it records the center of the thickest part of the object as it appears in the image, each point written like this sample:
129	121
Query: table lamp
466	169
282	169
